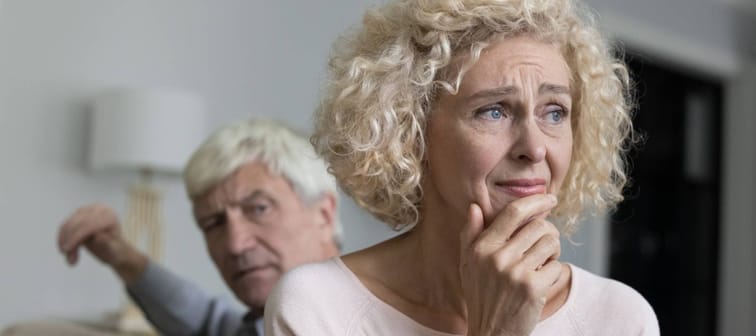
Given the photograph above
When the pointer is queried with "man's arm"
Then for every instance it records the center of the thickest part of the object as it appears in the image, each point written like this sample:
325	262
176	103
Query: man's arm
96	228
173	305
178	307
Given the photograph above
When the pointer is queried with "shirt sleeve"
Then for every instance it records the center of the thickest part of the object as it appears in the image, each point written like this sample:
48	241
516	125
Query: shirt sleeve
177	307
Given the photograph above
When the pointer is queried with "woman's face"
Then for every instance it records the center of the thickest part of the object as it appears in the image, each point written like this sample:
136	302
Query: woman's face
506	134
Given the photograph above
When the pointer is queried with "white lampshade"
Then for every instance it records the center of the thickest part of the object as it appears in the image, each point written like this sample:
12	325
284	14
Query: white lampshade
135	129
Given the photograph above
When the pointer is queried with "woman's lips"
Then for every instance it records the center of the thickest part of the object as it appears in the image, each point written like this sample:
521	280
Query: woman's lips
523	187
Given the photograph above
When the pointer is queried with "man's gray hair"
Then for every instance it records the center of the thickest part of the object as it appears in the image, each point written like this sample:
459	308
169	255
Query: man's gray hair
279	148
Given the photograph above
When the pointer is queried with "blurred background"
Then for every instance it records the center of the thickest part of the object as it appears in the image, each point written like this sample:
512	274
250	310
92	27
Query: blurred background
683	238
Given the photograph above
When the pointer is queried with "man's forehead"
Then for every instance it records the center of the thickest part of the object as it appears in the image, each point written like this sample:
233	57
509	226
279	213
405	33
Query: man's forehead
251	178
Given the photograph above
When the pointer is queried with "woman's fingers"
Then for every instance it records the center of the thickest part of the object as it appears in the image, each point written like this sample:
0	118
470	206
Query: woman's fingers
515	215
548	275
509	265
547	248
472	228
551	275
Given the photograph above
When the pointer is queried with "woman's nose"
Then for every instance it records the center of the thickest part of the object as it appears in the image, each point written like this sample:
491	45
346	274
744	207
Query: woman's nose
529	143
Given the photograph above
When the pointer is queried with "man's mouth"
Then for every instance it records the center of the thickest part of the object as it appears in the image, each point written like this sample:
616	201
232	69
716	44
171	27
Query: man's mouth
250	271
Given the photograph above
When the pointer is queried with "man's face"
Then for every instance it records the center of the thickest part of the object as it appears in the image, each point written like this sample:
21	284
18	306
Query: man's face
256	228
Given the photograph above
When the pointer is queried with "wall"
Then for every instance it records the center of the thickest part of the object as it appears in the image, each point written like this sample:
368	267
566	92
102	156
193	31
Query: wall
244	58
698	35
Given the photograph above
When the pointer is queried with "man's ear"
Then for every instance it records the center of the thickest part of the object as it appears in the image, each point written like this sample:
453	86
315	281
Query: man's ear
326	208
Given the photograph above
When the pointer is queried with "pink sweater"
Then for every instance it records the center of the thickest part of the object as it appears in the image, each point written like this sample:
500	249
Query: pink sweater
328	299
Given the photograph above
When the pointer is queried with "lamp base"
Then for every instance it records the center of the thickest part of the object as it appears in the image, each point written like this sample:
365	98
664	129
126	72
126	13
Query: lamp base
144	230
130	320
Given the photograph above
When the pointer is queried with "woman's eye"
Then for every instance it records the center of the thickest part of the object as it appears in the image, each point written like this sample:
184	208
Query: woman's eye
555	115
493	112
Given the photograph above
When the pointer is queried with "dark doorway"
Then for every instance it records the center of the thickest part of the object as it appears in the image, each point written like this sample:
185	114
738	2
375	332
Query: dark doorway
664	236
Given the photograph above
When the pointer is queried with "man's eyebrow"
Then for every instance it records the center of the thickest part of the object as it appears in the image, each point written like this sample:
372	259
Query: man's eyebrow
252	195
206	214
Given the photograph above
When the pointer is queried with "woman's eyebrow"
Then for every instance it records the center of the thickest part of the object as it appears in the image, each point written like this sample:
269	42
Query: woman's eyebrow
545	88
553	88
495	92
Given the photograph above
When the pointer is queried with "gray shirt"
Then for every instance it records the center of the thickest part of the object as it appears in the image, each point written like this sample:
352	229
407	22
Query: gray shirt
178	307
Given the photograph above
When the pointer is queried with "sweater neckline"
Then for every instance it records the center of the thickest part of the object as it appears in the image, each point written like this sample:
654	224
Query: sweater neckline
392	310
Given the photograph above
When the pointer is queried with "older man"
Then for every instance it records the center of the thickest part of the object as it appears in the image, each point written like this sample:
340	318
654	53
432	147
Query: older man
264	203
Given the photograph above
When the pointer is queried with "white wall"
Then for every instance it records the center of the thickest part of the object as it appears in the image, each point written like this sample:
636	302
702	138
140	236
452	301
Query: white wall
245	58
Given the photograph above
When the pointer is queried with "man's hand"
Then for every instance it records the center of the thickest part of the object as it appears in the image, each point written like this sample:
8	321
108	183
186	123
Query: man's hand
96	227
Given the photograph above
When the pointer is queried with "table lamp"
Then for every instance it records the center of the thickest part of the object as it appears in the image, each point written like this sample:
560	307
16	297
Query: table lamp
149	132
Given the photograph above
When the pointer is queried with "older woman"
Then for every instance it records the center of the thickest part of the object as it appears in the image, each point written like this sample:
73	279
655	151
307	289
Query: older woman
476	125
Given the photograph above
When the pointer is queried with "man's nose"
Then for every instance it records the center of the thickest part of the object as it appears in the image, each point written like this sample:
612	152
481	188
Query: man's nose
241	235
530	143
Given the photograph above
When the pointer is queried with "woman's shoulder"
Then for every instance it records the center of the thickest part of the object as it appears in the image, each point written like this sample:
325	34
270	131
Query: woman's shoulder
319	296
607	291
603	301
305	273
309	283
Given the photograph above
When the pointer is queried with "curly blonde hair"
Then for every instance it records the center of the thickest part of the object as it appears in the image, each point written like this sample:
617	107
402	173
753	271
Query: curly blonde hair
384	76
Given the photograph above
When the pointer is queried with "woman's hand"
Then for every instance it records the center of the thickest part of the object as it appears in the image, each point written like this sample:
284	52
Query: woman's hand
96	227
508	268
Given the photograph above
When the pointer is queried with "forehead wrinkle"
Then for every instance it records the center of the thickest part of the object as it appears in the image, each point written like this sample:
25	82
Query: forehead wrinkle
508	67
515	80
502	74
230	193
530	77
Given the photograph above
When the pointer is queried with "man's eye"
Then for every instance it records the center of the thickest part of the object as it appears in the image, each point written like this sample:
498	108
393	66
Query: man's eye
210	224
256	209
